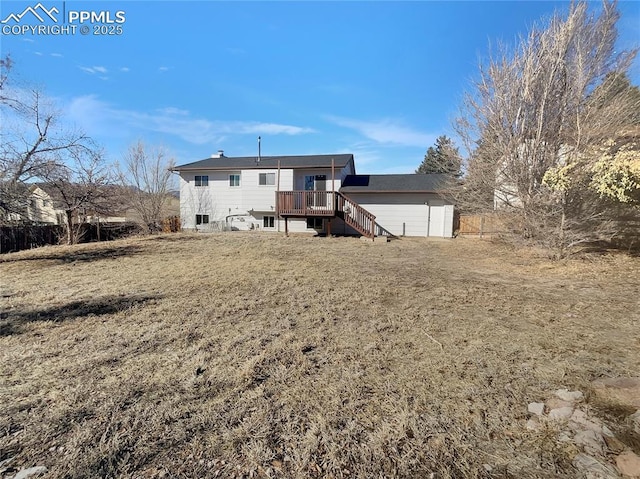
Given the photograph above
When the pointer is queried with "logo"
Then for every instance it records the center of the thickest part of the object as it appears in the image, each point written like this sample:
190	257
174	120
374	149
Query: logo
34	12
39	20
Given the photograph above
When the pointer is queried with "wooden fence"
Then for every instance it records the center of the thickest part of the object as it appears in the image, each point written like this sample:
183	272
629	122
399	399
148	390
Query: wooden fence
17	238
480	225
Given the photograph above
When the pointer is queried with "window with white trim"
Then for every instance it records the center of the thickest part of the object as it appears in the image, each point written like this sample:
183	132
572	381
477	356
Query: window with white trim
202	180
234	180
202	219
266	179
269	222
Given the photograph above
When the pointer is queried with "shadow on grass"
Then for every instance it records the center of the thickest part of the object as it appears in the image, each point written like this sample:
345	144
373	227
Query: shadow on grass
12	322
175	237
81	255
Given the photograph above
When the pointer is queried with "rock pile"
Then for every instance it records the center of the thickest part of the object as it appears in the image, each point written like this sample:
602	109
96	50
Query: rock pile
602	455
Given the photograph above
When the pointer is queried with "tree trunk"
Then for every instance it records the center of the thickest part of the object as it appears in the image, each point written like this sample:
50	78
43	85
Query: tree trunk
70	235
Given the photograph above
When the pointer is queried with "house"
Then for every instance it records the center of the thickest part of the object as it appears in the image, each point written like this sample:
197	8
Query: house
41	209
46	206
310	193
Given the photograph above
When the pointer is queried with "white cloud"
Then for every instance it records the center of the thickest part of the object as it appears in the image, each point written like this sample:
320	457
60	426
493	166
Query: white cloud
57	55
124	69
29	40
94	114
38	53
93	70
163	69
387	131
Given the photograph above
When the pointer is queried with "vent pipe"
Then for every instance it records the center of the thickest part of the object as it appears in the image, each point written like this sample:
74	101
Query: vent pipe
259	150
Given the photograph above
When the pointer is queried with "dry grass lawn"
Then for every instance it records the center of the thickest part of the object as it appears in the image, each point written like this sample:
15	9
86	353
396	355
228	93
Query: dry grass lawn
256	355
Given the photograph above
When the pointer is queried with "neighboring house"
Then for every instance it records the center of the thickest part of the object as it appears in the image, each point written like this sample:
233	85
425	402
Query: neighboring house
312	193
45	207
41	209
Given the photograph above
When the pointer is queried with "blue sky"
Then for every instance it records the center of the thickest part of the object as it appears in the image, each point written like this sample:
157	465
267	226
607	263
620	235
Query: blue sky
377	79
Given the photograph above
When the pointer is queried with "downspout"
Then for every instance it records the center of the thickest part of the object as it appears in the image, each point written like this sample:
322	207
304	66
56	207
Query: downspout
278	199
428	218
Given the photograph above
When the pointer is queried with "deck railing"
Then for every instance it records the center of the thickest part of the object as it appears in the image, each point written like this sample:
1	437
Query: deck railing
356	216
306	203
326	204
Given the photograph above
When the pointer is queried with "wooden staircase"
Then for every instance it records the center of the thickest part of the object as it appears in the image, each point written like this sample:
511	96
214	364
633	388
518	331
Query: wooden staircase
355	216
326	204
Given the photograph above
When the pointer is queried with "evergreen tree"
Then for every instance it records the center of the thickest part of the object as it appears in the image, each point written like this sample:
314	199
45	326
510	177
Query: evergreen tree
442	158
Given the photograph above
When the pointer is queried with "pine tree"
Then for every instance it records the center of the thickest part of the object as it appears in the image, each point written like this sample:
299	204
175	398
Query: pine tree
442	158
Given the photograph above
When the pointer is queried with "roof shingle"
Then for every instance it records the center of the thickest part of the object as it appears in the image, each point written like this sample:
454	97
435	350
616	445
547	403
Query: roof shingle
267	162
410	183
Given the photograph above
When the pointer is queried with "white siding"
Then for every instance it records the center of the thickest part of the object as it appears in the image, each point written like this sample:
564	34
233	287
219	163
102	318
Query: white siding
411	214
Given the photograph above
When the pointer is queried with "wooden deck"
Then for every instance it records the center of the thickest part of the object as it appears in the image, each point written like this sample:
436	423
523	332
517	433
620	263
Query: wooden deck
325	204
304	204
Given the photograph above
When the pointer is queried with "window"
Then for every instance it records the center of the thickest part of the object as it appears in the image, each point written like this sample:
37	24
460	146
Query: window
202	180
269	221
314	223
202	219
267	179
234	180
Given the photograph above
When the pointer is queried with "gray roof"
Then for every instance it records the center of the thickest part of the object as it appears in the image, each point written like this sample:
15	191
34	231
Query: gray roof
267	162
411	183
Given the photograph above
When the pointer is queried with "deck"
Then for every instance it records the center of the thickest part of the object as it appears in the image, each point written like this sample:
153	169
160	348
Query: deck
325	204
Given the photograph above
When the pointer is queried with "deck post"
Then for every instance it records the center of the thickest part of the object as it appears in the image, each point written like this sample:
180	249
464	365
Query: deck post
328	227
278	198
286	226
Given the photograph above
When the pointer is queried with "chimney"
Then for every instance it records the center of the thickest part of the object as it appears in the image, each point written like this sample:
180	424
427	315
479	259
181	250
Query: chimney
220	154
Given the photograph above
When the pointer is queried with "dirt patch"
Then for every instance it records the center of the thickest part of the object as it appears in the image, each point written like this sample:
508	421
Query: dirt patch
265	356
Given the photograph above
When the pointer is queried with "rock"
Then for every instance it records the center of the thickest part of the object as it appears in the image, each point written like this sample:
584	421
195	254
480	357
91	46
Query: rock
532	425
628	464
555	403
536	408
570	396
593	469
625	391
635	421
564	437
580	421
615	445
561	413
590	441
30	472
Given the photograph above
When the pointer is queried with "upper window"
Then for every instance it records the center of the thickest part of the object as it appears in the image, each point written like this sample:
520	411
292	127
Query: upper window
202	180
267	179
234	180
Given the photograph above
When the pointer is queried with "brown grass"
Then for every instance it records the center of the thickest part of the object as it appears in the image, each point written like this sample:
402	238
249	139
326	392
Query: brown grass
255	355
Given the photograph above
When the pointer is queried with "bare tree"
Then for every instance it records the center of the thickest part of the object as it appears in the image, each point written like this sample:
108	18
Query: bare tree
81	187
32	141
536	110
148	172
